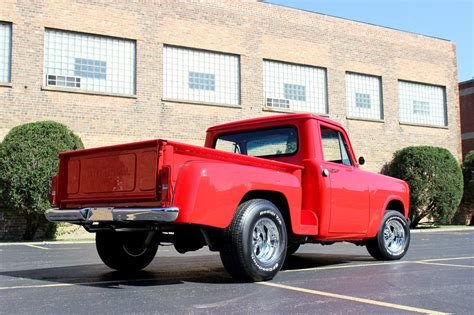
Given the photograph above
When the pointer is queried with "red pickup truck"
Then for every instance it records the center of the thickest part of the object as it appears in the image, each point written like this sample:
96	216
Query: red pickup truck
256	191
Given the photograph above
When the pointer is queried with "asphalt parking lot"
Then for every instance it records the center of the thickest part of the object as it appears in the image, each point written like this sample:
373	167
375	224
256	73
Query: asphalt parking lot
437	275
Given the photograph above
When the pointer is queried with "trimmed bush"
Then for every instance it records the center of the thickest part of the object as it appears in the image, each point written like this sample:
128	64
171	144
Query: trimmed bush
435	181
28	159
466	209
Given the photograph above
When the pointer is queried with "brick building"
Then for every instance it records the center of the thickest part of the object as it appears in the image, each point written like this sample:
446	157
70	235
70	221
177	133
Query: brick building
466	101
117	72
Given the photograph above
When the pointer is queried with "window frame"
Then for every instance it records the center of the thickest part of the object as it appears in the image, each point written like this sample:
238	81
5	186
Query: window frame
166	98
381	98
345	141
294	127
10	54
290	110
445	105
82	90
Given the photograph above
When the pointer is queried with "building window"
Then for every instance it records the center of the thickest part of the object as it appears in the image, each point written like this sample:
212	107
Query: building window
201	76
422	104
364	96
5	51
89	62
294	87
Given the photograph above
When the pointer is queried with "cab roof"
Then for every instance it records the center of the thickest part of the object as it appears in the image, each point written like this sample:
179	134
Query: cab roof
271	119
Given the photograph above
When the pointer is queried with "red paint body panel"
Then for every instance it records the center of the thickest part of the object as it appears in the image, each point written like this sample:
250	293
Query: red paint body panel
208	185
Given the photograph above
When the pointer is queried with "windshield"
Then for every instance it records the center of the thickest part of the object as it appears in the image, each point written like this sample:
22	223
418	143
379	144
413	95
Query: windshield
261	143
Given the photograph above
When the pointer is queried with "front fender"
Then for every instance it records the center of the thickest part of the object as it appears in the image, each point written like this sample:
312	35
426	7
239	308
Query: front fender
208	193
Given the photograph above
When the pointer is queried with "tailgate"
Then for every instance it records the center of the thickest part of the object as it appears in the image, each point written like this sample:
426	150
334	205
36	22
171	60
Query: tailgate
122	173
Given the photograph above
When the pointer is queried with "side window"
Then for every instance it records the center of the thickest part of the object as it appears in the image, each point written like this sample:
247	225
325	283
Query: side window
334	147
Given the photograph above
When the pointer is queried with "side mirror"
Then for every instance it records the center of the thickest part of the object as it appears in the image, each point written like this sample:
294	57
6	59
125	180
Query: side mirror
361	160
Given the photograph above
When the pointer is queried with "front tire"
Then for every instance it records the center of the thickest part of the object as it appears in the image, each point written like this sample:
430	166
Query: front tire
393	238
126	251
255	242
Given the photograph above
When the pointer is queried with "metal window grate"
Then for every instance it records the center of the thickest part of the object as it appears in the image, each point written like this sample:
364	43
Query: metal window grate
65	81
5	51
422	104
303	88
201	76
364	96
278	103
104	64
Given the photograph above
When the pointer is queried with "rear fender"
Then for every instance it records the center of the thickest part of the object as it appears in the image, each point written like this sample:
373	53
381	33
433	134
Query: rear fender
208	193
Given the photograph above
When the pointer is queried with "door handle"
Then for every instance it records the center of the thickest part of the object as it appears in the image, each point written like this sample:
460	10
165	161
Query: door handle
325	172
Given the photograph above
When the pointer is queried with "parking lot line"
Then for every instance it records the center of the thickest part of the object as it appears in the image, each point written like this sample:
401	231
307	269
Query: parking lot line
442	264
347	266
351	298
52	285
452	258
36	246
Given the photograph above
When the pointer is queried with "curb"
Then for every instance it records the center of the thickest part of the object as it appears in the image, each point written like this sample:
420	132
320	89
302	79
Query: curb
441	230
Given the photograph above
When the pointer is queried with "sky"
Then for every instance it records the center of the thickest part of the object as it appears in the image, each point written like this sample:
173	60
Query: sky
447	19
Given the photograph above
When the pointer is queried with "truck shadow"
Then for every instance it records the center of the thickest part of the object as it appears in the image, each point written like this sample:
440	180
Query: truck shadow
163	271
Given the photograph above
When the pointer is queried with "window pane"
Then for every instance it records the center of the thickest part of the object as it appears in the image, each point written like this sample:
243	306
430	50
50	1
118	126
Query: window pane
294	87
422	103
5	51
201	76
331	146
89	62
268	142
363	95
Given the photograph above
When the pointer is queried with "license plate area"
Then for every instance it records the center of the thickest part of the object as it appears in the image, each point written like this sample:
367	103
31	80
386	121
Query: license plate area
101	214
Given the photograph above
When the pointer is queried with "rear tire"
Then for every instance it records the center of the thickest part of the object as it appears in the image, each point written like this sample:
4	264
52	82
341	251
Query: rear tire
255	242
125	251
393	238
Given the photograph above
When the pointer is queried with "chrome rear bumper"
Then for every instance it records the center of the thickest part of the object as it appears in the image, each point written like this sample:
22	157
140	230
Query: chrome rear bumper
103	214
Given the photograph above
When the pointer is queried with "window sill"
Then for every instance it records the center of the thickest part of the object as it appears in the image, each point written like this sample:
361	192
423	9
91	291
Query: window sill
78	91
425	126
5	85
365	119
274	110
172	100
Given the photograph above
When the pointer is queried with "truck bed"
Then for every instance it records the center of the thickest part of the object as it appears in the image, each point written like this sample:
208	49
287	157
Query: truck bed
127	174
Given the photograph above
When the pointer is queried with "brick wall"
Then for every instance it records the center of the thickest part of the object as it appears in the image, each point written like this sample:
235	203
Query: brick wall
466	100
251	29
12	226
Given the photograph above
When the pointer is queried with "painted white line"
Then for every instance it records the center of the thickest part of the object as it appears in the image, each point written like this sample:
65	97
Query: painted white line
442	230
53	285
452	258
348	266
352	298
48	243
442	264
36	246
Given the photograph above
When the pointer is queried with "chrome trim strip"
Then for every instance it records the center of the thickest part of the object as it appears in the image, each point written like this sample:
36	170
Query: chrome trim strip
109	214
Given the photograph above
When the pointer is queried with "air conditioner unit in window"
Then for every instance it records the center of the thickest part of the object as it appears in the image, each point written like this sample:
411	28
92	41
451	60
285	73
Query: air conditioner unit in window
63	81
278	103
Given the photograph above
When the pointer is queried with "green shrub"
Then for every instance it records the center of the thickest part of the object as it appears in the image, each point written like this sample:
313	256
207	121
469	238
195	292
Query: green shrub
435	181
28	159
467	204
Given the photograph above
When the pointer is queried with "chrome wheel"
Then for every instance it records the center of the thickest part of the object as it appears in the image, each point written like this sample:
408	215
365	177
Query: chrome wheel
394	237
266	241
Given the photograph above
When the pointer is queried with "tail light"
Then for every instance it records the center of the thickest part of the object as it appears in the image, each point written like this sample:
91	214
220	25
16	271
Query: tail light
164	186
53	191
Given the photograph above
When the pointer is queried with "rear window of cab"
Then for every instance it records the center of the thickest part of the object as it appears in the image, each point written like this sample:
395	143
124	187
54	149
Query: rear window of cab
281	141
